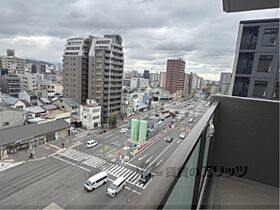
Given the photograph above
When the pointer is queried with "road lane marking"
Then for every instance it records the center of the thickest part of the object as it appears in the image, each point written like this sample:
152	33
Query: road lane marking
141	158
149	160
160	154
159	162
127	163
73	164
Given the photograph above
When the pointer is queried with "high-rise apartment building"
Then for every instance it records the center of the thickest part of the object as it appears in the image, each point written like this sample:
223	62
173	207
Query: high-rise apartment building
38	68
175	75
224	83
10	84
105	74
11	63
28	81
187	82
75	66
256	65
146	74
162	78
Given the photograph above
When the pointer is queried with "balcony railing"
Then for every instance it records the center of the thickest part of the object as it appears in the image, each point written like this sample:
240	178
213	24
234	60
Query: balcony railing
171	188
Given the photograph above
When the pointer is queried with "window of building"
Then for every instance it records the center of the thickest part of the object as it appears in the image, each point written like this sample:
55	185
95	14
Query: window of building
264	64
241	85
276	91
260	88
249	37
270	36
95	118
245	63
5	123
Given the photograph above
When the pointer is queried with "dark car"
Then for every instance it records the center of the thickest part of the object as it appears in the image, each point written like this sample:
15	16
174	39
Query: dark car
145	177
168	139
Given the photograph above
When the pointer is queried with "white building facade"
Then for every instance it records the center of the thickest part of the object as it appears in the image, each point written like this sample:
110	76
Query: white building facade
91	115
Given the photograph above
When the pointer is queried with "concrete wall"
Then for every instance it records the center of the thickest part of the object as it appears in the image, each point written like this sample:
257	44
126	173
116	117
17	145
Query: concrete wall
12	117
247	134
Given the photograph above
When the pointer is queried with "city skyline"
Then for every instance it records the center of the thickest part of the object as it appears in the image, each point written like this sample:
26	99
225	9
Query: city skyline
195	31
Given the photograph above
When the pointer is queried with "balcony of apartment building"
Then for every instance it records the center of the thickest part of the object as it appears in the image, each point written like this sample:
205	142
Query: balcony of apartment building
113	90
112	79
112	96
229	160
112	102
117	50
113	73
112	85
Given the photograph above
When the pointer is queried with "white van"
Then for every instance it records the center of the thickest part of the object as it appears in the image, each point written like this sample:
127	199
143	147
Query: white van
116	186
91	143
96	181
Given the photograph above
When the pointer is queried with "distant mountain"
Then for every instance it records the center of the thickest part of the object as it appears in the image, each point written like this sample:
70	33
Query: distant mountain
36	61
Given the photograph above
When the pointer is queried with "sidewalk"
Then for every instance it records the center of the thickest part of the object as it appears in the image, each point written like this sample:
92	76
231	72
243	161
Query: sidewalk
41	151
6	165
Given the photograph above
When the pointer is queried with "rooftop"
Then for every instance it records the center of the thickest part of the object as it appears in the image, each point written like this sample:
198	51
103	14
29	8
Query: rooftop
20	133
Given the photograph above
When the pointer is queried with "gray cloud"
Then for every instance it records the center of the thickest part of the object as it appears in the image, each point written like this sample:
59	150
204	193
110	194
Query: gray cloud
152	30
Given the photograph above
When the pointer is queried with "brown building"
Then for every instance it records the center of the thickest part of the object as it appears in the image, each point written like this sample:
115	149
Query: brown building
175	75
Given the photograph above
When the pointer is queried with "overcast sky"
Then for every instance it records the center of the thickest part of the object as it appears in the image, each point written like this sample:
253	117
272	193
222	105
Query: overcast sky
152	30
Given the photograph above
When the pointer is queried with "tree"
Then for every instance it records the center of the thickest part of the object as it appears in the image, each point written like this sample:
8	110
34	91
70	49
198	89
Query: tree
113	119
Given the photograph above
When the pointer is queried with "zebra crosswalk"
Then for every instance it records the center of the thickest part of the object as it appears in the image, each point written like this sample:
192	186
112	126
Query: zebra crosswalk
130	175
74	154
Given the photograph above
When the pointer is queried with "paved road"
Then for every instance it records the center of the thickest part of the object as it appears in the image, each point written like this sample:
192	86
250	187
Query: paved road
60	178
36	184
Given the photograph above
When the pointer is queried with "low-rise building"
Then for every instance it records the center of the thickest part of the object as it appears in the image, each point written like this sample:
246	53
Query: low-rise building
12	102
91	114
29	96
72	106
28	136
10	117
51	87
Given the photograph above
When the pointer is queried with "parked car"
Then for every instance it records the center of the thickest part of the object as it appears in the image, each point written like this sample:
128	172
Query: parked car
190	120
182	135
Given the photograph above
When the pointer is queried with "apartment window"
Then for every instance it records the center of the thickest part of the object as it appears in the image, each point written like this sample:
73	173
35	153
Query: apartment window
249	37
95	110
241	86
269	37
276	91
245	63
260	88
264	64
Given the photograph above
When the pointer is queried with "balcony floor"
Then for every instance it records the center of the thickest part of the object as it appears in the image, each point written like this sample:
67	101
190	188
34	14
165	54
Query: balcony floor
235	193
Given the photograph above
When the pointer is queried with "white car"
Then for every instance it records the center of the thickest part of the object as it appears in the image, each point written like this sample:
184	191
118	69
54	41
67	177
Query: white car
123	130
183	135
190	120
91	143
